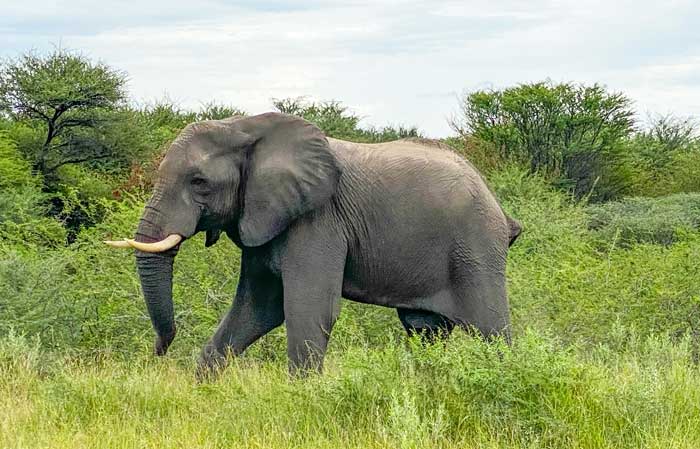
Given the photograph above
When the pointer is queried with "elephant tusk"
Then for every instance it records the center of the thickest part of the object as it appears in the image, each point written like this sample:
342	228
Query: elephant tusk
117	243
156	247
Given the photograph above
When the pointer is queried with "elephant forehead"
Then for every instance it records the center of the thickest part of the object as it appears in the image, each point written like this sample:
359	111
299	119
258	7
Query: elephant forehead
181	157
196	155
216	168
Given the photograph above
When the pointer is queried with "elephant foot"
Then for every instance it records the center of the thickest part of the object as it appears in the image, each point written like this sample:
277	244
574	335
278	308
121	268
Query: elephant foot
162	343
210	364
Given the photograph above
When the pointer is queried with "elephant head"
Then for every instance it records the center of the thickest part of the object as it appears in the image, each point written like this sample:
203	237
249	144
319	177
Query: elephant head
249	176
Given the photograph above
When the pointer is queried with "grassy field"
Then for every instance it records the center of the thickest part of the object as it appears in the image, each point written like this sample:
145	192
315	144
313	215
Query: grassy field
464	394
605	352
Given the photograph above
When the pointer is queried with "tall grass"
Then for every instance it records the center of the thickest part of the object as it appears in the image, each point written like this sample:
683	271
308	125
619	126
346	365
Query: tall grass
462	394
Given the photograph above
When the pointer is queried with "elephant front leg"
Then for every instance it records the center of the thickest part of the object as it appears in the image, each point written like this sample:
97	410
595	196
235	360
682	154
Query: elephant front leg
312	289
310	314
257	309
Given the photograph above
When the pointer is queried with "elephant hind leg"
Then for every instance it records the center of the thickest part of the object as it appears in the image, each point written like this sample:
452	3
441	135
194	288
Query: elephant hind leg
429	325
479	301
482	305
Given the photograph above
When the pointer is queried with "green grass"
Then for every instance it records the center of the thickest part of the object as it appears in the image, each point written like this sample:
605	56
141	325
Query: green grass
465	394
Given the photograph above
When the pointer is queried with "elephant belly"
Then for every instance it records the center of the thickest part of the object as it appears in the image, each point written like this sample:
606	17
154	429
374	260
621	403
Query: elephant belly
396	282
438	302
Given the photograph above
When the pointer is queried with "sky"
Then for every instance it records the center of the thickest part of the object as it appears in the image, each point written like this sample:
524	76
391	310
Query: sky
392	62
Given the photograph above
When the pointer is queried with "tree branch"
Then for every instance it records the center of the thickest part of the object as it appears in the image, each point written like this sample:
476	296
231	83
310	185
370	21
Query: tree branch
76	161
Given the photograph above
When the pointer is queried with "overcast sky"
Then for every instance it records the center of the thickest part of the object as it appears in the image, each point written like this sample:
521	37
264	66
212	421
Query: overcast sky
391	61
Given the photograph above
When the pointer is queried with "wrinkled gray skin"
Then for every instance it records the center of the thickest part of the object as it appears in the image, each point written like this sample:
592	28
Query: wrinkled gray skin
405	224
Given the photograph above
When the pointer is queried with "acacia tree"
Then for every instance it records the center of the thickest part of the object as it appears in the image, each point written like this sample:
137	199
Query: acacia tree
70	98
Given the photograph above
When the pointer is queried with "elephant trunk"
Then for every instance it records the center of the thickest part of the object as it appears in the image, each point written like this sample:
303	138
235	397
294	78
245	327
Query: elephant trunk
156	275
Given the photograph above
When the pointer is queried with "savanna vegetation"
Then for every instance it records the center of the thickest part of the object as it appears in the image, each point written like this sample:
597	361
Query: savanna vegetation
604	285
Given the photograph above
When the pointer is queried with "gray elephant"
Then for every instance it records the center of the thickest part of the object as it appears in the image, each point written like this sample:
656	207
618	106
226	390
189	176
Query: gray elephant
406	224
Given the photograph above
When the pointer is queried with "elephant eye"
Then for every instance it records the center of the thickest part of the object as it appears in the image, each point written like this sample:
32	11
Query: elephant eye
198	181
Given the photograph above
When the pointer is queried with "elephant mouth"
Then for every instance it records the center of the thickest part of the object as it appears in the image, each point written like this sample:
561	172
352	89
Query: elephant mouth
167	243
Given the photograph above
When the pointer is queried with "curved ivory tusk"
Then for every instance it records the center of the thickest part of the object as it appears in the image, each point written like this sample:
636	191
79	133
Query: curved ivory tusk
117	243
156	247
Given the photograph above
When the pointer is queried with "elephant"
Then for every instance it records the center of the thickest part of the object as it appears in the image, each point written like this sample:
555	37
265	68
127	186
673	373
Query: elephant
407	224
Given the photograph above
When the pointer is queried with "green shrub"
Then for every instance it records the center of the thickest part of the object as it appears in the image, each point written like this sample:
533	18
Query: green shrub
662	220
22	222
81	197
22	204
684	172
573	133
563	279
580	284
480	153
164	119
26	135
667	157
338	122
216	111
15	171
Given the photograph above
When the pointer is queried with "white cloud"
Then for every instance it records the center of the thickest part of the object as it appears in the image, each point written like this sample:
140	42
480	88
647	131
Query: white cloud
397	61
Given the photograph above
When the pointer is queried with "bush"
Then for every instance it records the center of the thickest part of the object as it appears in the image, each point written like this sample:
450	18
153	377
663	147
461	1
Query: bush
664	220
666	156
22	204
683	174
580	284
81	198
14	170
480	153
573	133
336	121
563	279
22	221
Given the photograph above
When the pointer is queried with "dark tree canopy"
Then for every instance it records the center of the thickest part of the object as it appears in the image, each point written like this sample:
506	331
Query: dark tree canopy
70	97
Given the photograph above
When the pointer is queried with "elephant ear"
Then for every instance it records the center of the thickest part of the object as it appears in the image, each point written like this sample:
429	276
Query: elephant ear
291	171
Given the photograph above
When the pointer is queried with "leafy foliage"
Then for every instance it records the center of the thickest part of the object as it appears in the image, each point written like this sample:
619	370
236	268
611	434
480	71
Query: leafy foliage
667	157
337	121
71	97
14	170
663	221
571	132
578	286
215	111
22	204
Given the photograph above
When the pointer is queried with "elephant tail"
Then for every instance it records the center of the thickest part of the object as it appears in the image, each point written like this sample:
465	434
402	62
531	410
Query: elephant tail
514	229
